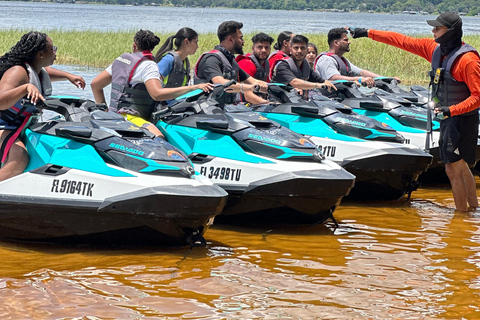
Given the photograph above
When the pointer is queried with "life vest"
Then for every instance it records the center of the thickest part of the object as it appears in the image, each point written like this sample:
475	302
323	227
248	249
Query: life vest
180	74
272	61
17	117
447	90
302	73
261	72
230	71
125	98
42	82
343	65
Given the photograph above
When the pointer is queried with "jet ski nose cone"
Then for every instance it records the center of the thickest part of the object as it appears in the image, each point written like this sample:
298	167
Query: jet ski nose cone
318	156
188	171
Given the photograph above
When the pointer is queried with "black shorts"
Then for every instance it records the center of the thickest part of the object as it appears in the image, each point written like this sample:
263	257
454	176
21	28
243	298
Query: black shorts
458	138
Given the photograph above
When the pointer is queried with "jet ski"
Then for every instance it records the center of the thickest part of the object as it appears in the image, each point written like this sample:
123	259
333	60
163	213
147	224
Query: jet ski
265	167
411	122
384	167
417	95
94	177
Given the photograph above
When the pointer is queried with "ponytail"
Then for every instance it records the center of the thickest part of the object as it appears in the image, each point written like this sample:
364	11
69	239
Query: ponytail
285	35
180	36
166	46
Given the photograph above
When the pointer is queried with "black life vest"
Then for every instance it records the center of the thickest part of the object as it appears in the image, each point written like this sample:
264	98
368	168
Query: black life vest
447	90
261	72
230	71
180	74
343	65
125	98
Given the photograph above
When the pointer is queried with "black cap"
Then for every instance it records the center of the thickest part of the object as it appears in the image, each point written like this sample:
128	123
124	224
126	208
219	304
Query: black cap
446	19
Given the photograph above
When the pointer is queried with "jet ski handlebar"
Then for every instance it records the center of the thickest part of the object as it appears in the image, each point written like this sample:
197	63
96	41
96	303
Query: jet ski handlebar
229	83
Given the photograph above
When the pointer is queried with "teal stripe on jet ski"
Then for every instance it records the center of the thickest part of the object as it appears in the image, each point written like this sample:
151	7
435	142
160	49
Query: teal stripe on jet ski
189	94
386	118
308	126
45	149
65	97
192	140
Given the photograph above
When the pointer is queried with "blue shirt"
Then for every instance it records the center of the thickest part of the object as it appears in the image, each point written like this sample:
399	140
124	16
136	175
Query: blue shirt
165	65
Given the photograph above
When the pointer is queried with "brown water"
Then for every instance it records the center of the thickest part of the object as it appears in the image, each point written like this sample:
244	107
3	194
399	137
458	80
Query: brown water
387	260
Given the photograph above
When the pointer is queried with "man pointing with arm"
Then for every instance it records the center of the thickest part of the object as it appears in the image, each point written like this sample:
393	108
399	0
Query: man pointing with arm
455	79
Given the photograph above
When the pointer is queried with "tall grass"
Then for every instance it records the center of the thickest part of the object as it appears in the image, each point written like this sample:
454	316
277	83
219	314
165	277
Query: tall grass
99	49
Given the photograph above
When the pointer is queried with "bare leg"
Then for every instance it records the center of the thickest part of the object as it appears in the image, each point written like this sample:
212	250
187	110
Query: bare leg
471	186
17	159
463	185
153	129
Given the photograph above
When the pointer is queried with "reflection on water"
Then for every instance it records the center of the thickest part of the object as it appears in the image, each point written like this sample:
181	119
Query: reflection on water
387	260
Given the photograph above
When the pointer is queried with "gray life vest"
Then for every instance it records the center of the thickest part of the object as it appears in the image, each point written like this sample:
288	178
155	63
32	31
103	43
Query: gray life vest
125	98
302	73
180	74
447	90
16	116
44	85
230	71
343	65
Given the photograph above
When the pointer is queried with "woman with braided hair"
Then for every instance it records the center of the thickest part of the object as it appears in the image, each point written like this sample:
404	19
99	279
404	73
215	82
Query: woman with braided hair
136	83
24	74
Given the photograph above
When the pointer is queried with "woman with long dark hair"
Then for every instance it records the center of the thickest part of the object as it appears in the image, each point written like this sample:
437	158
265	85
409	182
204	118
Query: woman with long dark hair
172	57
24	73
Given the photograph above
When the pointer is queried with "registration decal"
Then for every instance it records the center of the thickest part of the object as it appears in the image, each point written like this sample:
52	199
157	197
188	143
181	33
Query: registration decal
221	173
73	187
328	151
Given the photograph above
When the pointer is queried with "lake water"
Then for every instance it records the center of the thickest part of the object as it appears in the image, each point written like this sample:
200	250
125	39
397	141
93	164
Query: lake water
45	16
387	260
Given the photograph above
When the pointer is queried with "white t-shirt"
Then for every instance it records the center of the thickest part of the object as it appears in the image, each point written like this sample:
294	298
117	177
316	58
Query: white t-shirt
146	70
327	67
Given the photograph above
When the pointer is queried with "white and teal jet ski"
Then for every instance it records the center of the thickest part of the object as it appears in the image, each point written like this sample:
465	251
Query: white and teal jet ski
93	176
410	121
262	165
417	95
384	167
416	123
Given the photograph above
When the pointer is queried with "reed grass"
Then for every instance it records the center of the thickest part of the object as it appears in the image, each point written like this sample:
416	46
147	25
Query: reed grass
99	49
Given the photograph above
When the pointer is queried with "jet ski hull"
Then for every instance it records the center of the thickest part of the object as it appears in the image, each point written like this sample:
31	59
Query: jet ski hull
95	176
307	190
73	207
383	170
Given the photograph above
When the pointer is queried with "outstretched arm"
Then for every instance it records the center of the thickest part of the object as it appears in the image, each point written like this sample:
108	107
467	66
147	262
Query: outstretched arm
158	93
59	75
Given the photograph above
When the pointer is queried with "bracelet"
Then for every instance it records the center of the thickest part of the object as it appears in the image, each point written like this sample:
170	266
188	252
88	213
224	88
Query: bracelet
241	87
360	80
